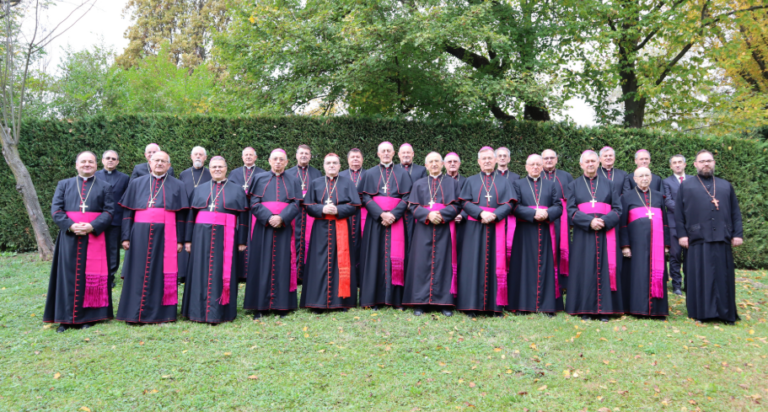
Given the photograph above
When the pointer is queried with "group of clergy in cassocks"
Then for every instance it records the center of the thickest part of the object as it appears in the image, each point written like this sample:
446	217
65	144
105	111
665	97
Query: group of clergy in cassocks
396	234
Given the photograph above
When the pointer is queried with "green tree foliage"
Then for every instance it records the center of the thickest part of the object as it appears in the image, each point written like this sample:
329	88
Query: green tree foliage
82	86
421	58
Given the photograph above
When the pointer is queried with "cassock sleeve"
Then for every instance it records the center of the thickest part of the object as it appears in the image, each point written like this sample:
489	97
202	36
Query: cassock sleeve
556	210
171	172
104	221
260	211
668	201
624	233
577	218
680	229
134	173
345	210
243	227
292	210
190	229
374	210
58	213
612	218
181	224
312	204
399	210
420	213
449	212
738	229
665	219
127	225
627	186
504	210
467	207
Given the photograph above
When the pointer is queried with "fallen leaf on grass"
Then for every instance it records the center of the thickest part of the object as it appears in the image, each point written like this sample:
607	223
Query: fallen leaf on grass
606	362
604	409
227	353
56	375
497	349
541	388
567	373
509	371
691	401
472	385
321	351
523	393
743	386
253	377
85	409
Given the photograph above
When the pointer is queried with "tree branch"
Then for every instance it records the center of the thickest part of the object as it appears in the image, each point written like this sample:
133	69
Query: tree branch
477	61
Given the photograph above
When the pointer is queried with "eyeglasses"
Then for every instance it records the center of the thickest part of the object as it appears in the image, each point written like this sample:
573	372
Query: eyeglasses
706	161
109	158
549	158
160	161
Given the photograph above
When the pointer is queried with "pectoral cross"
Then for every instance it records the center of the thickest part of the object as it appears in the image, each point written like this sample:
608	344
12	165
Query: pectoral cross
431	203
593	201
650	214
488	197
151	202
385	188
329	202
212	206
303	186
83	207
245	187
717	204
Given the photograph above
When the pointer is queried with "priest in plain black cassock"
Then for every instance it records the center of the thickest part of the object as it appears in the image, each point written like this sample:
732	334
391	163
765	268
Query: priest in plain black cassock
482	271
452	166
214	239
82	208
561	179
154	217
430	279
330	280
355	174
415	172
272	272
304	173
644	244
192	178
642	159
383	259
708	226
119	182
242	177
594	209
143	169
608	171
503	157
533	281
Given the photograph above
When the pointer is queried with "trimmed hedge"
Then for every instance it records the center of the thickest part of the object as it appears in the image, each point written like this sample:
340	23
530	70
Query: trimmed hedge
49	148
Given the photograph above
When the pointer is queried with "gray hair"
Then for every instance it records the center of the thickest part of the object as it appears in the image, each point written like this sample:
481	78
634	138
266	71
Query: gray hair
385	144
486	149
503	148
533	156
165	153
198	147
542	152
607	149
641	151
587	153
430	154
677	155
146	149
110	151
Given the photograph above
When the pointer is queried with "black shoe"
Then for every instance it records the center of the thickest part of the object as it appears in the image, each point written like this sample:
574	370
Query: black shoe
283	313
447	313
677	292
470	314
729	323
661	318
418	312
498	314
549	314
345	309
258	315
375	307
317	311
586	317
604	319
113	285
86	325
62	328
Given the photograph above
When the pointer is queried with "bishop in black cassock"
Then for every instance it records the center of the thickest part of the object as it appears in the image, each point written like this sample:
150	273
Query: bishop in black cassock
430	279
242	177
82	208
385	191
303	173
482	271
561	180
272	270
594	209
155	211
644	243
214	239
330	280
708	225
143	169
355	174
533	280
193	177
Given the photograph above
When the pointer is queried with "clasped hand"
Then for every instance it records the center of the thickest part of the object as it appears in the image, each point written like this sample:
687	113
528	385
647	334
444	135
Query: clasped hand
487	217
81	229
330	210
597	224
387	218
435	217
541	214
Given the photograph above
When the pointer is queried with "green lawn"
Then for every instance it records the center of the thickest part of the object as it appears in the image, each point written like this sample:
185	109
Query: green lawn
386	360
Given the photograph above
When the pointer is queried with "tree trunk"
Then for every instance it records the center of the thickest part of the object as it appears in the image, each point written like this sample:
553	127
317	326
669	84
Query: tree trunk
28	193
634	109
535	112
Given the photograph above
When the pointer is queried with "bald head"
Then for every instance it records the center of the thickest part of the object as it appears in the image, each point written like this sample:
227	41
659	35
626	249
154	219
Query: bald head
549	157
150	150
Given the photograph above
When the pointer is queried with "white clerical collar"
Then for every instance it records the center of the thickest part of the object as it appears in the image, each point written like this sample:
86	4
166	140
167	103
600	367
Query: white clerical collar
503	170
535	179
679	176
302	167
276	174
607	169
646	189
355	170
488	173
249	167
109	172
550	171
85	179
386	165
591	178
159	177
220	181
331	177
453	176
435	176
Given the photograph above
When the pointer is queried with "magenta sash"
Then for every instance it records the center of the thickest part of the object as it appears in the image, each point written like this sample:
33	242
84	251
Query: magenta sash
657	247
610	237
170	264
565	235
307	228
452	226
511	226
276	208
363	217
397	253
96	265
554	249
229	222
501	258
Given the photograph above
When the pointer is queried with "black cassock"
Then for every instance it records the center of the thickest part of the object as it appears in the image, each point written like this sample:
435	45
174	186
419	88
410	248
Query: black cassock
320	286
192	178
561	179
589	280
376	285
509	175
415	172
629	183
533	286
460	179
617	176
356	176
142	169
66	287
207	230
636	233
243	176
709	270
304	175
477	277
269	285
431	262
141	300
